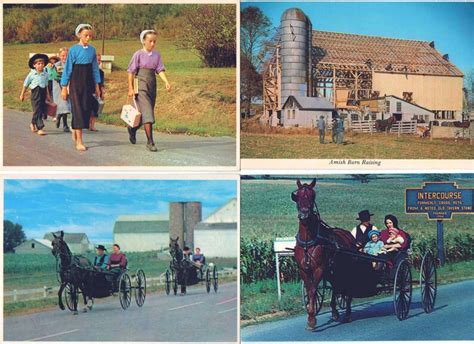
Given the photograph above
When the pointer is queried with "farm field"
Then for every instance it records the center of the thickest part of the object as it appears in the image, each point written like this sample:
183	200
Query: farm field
28	271
202	102
268	212
357	146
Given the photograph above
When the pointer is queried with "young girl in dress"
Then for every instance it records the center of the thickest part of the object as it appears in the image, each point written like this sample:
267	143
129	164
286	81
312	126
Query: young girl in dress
64	106
144	65
81	74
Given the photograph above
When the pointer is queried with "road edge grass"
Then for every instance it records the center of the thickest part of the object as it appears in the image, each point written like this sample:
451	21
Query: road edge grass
50	303
268	309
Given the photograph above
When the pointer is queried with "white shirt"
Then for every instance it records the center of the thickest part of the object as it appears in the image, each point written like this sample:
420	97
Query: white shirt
363	228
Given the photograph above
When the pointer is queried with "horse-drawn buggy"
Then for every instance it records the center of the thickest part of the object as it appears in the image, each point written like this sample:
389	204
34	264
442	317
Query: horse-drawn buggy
78	276
329	261
183	272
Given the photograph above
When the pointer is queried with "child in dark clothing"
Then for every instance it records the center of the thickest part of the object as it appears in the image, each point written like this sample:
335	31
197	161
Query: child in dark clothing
37	81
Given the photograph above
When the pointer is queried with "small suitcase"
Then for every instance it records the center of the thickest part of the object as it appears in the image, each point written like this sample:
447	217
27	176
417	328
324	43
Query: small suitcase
51	109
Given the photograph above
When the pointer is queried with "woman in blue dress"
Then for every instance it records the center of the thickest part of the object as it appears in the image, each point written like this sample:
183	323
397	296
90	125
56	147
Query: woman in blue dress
81	74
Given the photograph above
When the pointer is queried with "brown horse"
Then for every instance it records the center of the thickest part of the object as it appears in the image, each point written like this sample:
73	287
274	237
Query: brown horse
316	250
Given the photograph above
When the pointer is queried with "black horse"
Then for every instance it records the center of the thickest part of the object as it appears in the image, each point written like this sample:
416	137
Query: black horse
184	270
74	271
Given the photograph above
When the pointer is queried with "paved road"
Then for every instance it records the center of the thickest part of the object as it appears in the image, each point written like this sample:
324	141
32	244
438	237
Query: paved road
197	316
108	147
452	319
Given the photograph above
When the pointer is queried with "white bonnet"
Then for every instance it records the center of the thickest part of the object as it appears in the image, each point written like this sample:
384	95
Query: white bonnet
143	33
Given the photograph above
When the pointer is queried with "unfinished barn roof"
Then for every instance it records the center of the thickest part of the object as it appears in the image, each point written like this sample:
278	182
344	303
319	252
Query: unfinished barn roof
383	54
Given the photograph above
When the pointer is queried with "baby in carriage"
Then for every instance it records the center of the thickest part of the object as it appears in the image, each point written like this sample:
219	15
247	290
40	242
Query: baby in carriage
394	241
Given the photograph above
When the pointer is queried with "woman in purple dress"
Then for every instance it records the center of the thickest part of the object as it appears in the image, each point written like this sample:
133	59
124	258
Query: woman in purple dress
144	66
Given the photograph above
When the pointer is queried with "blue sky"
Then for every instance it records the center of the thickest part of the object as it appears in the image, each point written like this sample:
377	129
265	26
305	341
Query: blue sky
92	206
450	25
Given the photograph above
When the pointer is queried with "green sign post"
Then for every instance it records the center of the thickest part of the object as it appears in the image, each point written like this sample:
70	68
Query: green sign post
439	201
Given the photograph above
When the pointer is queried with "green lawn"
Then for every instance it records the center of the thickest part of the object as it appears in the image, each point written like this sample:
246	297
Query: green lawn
268	212
356	146
202	101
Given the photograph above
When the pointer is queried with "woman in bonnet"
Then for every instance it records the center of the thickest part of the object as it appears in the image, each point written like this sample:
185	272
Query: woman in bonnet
144	66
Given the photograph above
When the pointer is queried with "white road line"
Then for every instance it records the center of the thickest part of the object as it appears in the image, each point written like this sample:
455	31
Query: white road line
51	335
227	310
191	304
226	301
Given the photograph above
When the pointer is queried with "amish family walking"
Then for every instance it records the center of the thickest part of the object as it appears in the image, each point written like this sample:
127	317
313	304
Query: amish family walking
75	83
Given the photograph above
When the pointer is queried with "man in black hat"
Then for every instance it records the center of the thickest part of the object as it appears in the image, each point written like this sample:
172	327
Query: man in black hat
101	259
361	231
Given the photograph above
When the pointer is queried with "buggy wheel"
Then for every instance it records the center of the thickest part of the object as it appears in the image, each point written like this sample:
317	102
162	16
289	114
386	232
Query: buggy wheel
341	301
428	282
140	287
208	281
319	297
125	290
175	282
71	296
215	278
402	290
167	282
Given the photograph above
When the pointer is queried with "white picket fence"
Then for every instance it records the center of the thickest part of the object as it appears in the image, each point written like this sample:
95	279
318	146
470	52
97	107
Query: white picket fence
49	292
405	127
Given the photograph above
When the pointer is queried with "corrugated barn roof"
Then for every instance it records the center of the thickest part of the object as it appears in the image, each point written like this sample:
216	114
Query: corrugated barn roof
383	54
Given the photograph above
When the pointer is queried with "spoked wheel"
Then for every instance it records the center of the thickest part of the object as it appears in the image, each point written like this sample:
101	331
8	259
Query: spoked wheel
402	290
71	296
215	278
168	282
125	290
208	281
175	282
428	282
140	288
319	297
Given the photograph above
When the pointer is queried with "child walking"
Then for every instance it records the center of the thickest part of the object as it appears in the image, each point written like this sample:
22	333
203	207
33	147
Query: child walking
81	74
37	81
64	106
96	105
144	65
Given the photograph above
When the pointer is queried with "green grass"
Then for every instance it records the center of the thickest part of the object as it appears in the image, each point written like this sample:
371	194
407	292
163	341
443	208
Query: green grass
202	101
259	301
25	271
267	211
357	146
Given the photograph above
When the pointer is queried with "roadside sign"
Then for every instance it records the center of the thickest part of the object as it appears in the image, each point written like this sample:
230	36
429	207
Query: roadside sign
282	248
439	201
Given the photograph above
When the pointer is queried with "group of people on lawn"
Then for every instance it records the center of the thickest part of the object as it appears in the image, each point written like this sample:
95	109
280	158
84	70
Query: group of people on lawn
337	129
75	83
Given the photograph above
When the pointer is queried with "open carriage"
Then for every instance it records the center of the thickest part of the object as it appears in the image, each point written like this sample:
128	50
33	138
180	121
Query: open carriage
395	278
100	284
188	274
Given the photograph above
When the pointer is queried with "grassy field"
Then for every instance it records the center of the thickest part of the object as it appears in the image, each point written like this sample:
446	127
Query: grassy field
268	212
356	146
259	301
35	271
202	102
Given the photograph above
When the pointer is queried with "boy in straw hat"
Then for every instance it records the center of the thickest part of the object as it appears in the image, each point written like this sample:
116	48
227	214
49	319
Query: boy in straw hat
37	82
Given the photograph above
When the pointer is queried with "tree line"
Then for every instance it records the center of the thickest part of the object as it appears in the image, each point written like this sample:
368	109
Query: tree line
208	29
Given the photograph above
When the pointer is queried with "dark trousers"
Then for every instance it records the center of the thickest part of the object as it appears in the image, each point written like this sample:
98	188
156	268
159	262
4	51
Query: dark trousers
38	103
58	119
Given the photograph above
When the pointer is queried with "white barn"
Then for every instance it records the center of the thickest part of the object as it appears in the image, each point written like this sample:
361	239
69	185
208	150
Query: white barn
216	236
403	110
78	243
140	233
34	246
305	111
